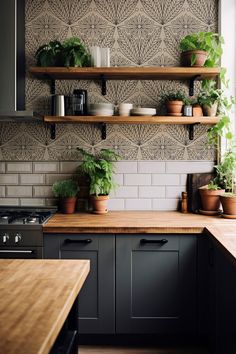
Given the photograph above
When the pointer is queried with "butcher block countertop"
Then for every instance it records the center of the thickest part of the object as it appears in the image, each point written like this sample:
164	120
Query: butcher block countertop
136	222
36	298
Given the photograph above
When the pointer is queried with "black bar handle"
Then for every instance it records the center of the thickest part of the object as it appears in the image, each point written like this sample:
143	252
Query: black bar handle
160	242
86	240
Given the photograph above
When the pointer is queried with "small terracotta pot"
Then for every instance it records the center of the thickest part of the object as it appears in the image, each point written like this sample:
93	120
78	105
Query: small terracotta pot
210	111
197	111
201	57
67	205
228	204
210	198
99	204
174	108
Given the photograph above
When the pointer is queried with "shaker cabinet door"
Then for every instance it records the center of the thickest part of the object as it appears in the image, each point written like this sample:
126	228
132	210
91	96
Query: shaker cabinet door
156	284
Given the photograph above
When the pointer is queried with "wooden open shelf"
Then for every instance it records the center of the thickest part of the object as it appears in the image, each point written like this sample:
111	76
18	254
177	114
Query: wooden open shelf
132	119
124	73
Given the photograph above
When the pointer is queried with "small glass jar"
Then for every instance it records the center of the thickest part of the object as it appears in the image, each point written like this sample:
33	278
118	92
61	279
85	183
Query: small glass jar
188	111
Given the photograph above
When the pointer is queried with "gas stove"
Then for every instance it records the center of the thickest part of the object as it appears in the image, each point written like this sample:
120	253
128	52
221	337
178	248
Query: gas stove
21	231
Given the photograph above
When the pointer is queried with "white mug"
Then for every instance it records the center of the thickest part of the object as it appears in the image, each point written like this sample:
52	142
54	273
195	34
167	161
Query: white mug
95	52
125	108
105	57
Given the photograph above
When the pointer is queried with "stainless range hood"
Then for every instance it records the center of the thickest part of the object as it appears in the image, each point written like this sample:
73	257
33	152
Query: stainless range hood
12	62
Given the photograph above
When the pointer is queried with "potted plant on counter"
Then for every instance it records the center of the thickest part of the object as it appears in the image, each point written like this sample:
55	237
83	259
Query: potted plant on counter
174	102
100	169
201	49
66	191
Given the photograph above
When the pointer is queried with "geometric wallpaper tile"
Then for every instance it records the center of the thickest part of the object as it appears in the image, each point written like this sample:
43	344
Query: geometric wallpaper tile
139	33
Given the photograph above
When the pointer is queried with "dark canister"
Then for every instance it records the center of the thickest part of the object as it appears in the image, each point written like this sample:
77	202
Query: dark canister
80	102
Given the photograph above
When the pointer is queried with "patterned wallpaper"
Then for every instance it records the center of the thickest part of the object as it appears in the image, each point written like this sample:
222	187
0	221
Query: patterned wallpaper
139	32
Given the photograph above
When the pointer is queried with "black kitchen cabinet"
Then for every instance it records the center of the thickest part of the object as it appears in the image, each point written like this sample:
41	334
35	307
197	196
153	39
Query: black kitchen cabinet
156	284
97	298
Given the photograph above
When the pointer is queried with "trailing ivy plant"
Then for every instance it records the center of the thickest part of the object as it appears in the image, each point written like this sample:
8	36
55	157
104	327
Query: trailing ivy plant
207	41
100	169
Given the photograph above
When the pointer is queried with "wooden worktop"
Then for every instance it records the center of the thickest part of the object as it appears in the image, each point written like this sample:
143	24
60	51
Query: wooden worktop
36	297
134	222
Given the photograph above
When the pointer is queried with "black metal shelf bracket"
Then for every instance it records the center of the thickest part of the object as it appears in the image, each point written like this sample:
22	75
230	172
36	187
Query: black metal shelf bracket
191	84
52	87
103	131
104	85
53	131
191	130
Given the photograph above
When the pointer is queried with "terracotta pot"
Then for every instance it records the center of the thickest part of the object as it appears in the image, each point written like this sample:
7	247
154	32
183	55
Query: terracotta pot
228	204
197	111
67	205
99	204
210	198
210	111
201	57
174	108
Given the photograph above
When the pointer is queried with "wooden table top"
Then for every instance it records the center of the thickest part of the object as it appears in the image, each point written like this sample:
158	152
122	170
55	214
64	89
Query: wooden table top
35	299
134	222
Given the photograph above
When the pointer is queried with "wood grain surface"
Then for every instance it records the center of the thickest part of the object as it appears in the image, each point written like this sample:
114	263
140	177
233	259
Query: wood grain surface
125	73
36	297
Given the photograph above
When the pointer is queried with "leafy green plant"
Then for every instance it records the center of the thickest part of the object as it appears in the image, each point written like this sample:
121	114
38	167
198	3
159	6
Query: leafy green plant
207	41
173	96
49	54
74	53
100	169
65	189
225	171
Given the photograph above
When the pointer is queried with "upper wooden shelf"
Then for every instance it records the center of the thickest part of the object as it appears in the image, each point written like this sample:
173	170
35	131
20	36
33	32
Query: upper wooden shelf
125	73
131	119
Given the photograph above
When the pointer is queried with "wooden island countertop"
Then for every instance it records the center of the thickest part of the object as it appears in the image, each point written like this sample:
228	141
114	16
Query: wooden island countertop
36	298
136	222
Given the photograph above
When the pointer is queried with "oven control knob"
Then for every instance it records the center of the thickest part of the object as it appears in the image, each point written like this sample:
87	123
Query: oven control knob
17	238
5	237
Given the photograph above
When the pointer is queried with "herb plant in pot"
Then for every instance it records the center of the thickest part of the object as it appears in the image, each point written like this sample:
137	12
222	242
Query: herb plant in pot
100	169
201	49
174	102
210	198
66	191
210	98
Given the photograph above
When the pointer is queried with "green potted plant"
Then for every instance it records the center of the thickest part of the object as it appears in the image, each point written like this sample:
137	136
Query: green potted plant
210	98
72	52
100	169
174	102
201	49
66	191
49	54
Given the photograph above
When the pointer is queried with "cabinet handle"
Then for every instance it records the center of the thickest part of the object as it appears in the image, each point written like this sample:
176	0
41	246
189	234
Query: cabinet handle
86	240
160	242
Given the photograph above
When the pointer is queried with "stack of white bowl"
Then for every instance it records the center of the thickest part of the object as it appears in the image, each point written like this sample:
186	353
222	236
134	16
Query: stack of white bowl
101	109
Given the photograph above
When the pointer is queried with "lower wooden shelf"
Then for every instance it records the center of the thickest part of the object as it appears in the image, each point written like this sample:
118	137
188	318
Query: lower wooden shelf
132	119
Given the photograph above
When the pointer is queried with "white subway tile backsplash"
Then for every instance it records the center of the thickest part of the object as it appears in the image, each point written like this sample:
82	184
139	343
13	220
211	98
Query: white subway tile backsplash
8	179
51	201
174	192
119	178
2	191
152	192
183	179
138	204
125	192
32	179
47	167
42	191
126	167
2	167
9	201
151	167
19	167
68	166
137	179
165	204
32	201
165	179
116	204
19	191
51	178
189	166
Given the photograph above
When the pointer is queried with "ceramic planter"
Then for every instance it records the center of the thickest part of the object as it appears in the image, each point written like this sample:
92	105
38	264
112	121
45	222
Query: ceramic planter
228	204
197	111
174	108
99	203
67	205
210	198
201	57
210	111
